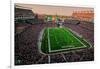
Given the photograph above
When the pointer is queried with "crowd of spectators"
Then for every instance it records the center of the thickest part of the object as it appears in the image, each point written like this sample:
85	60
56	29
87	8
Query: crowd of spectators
26	48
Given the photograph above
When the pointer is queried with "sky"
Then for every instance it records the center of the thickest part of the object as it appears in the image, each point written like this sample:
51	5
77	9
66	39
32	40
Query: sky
53	10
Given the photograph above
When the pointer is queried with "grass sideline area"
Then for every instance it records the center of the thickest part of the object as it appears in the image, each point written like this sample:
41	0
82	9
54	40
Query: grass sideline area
61	39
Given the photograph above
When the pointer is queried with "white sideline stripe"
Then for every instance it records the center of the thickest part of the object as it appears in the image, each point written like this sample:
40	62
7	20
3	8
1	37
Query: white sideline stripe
49	41
41	36
66	49
76	38
49	46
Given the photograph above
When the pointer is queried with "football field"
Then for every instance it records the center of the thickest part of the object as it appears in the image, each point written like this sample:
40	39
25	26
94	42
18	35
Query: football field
61	39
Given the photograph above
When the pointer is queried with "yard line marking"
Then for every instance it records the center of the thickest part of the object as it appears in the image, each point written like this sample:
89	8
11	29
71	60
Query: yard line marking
49	41
75	37
55	36
64	36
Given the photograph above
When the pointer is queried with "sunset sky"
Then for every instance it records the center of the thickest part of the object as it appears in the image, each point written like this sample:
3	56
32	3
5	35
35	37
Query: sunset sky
53	10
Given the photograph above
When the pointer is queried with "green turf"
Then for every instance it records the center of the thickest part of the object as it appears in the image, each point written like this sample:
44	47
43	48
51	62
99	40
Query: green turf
61	39
44	45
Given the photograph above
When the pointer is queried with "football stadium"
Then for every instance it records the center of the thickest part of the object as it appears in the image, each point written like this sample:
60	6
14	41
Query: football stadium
47	34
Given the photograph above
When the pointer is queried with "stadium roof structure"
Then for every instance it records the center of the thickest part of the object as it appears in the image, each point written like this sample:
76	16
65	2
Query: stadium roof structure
53	10
22	7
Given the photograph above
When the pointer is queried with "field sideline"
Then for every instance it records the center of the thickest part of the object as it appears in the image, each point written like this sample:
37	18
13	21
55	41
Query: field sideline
61	39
